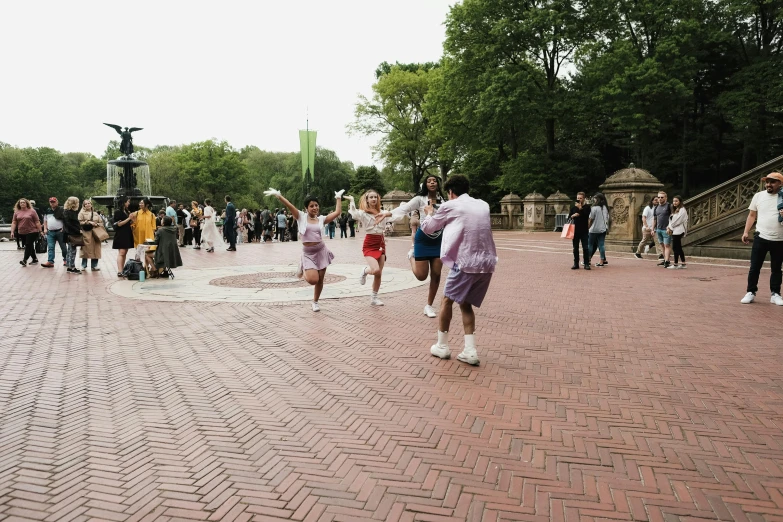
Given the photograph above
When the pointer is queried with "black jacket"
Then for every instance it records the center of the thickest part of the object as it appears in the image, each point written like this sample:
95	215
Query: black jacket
71	224
580	223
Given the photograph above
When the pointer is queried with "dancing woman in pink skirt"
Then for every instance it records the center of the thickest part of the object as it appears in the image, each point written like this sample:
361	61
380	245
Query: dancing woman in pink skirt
315	255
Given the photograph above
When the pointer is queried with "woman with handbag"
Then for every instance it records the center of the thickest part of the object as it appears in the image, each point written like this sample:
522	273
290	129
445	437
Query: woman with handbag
90	222
27	226
73	231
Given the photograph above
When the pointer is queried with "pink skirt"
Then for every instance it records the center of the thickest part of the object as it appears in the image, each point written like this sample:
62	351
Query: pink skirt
316	257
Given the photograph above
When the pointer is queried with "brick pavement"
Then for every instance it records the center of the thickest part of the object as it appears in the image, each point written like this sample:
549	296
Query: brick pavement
629	393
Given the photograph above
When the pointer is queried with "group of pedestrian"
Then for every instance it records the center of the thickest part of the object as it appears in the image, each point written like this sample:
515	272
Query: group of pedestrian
591	224
664	225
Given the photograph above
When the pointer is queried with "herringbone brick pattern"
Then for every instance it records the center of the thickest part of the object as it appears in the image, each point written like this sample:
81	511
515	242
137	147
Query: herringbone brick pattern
630	393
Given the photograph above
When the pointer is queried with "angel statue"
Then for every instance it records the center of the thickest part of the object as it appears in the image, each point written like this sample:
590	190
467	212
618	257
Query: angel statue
126	146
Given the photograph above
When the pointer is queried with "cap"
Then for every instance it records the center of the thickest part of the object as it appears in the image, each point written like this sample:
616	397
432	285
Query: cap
52	199
777	176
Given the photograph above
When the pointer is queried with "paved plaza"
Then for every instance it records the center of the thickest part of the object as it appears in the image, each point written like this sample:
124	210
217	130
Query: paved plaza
624	393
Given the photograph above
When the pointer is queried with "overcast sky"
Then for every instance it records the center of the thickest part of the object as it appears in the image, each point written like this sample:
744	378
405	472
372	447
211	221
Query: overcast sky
244	72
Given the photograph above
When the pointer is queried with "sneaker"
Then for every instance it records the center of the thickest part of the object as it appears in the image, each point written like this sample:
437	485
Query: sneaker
376	302
587	267
430	312
363	277
316	308
662	263
23	263
776	299
749	297
682	267
660	257
410	253
34	262
47	265
604	262
599	264
96	269
673	267
469	357
637	255
438	350
575	267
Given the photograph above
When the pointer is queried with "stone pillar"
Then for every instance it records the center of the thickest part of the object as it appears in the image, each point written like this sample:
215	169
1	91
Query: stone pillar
511	206
627	191
557	203
535	208
392	200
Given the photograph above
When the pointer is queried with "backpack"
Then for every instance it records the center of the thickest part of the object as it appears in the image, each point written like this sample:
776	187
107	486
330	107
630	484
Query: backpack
131	269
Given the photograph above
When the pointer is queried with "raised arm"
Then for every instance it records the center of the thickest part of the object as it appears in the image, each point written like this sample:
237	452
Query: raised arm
338	208
290	206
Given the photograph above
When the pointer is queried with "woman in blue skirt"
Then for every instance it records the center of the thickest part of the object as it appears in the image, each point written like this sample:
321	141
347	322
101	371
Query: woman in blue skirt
425	254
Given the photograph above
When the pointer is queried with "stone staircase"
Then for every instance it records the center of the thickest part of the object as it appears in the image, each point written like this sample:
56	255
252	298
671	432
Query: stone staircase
717	216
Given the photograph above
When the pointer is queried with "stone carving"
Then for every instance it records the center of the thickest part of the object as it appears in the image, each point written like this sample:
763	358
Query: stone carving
619	211
538	212
530	213
733	199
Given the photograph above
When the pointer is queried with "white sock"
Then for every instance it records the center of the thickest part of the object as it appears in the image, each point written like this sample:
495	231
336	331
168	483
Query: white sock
443	338
374	295
470	342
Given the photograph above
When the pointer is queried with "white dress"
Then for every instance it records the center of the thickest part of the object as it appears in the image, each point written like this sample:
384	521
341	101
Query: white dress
209	231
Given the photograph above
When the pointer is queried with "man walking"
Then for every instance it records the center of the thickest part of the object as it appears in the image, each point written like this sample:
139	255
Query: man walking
53	229
580	214
661	221
648	232
281	224
766	208
468	249
228	226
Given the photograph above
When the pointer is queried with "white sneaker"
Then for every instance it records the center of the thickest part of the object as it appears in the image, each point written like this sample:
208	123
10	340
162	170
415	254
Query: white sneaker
316	308
438	350
376	302
776	299
429	311
673	267
682	267
749	297
410	253
469	357
363	277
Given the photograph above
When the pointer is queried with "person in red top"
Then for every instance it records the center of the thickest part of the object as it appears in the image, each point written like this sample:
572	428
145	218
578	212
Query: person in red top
26	224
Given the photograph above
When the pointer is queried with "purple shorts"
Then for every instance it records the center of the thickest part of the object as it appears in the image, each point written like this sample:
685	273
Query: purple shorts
463	287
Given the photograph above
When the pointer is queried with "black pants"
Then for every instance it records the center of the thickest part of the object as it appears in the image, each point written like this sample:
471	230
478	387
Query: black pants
188	236
29	245
677	246
757	256
230	233
580	238
197	235
343	232
352	232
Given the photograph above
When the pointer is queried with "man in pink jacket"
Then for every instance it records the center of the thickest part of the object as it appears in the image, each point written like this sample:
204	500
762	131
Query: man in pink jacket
469	251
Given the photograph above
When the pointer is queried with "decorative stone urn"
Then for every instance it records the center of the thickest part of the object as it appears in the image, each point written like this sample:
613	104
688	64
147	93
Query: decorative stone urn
511	206
627	191
557	203
535	212
392	200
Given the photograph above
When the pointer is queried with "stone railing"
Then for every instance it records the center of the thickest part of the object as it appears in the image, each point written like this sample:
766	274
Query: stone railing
723	207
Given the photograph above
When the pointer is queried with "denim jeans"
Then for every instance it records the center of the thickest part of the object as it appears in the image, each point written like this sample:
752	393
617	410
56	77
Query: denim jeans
597	243
70	258
93	263
53	237
757	256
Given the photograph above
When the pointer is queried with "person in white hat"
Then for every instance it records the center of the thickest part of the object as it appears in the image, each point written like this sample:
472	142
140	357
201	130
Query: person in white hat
766	210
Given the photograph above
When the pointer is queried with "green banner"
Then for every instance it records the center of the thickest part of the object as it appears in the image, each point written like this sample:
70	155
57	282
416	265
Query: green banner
307	144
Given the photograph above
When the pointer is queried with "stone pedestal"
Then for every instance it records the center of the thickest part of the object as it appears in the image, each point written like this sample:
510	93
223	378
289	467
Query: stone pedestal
392	200
511	206
627	191
535	212
557	203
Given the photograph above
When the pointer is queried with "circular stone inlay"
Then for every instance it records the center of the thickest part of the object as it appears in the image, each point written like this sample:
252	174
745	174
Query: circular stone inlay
269	280
259	284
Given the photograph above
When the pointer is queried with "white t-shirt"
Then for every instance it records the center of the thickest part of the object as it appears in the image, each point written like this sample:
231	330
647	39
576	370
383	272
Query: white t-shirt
766	207
649	214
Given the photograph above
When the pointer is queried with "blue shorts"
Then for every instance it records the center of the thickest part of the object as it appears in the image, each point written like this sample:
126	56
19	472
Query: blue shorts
663	237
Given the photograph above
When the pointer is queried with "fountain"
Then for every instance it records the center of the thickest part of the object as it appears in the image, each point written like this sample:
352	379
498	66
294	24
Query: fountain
128	176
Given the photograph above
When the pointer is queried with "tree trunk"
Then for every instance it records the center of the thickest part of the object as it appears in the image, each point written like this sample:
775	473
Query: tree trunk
415	176
550	137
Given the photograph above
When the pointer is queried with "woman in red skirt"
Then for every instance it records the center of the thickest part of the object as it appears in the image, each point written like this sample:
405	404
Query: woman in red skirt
374	220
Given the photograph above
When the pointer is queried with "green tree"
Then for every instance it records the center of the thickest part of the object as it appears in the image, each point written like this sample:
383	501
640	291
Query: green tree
367	178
